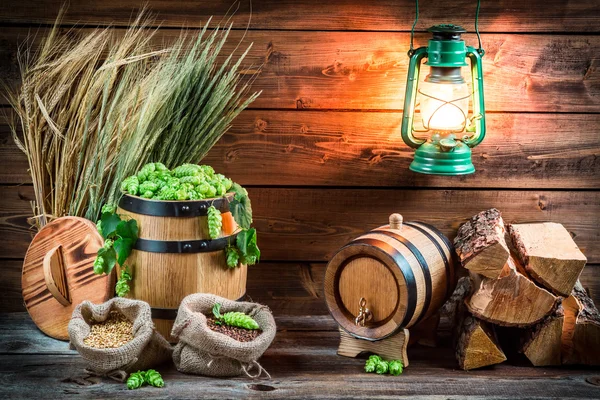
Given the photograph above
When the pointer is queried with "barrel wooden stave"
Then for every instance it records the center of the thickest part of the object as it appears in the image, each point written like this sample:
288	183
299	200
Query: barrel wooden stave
416	244
164	279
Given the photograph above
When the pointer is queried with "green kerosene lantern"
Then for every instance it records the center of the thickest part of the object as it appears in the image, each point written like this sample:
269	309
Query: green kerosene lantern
449	131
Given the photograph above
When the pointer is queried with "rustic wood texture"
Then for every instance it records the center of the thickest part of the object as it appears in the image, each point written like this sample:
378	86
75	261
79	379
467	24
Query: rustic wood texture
549	255
542	344
368	268
367	70
480	244
391	348
512	299
351	148
386	15
310	224
581	329
300	363
49	302
164	279
477	345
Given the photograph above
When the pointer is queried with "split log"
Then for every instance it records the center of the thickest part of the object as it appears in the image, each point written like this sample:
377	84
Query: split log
581	329
542	344
480	244
452	310
549	255
512	299
477	345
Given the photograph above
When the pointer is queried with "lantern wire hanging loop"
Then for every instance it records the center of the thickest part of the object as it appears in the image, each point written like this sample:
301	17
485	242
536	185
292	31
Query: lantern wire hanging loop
412	31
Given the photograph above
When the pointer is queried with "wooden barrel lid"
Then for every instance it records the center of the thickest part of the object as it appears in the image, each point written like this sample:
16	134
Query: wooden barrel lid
58	273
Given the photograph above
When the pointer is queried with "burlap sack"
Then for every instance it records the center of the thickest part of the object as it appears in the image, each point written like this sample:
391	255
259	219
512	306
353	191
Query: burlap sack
146	350
202	351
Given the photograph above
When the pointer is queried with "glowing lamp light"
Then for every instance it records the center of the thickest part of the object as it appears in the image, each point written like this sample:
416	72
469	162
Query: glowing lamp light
449	131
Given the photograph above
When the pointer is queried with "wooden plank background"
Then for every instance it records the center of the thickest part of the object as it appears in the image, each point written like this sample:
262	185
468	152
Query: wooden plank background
321	150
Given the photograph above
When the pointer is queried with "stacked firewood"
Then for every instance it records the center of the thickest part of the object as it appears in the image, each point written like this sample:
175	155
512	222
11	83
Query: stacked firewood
522	276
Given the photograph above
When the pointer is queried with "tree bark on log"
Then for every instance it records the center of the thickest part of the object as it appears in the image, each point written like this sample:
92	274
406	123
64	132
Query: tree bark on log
549	255
477	345
512	299
542	344
480	244
581	329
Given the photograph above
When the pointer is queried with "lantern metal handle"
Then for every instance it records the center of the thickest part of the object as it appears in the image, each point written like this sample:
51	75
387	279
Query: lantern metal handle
475	56
414	68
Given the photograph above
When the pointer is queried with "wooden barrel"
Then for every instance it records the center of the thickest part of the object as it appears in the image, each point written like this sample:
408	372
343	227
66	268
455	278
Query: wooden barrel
174	256
397	274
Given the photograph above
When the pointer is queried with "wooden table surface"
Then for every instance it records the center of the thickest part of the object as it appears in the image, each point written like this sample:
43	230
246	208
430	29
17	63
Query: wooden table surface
302	362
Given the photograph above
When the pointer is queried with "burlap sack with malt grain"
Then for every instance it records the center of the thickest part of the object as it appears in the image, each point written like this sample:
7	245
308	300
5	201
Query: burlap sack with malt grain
202	351
147	349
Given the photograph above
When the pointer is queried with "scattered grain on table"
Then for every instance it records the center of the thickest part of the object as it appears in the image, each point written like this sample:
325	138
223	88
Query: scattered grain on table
239	334
114	332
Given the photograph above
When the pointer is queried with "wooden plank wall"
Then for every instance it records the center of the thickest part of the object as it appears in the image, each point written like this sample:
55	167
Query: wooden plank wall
321	151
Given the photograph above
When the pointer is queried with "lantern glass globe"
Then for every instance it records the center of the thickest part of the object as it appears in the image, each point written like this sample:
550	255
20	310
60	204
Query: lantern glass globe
444	106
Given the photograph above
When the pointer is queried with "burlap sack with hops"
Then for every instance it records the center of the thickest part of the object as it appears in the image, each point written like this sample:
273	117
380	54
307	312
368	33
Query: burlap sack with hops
202	351
147	349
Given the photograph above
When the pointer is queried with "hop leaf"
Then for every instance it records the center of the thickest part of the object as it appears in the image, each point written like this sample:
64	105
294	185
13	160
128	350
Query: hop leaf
215	222
382	367
396	367
154	378
136	380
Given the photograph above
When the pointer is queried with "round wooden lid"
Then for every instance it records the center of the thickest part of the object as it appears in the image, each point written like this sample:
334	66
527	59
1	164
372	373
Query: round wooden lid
58	273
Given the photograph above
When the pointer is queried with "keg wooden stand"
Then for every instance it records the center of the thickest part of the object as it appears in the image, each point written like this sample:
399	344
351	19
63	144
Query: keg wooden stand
386	281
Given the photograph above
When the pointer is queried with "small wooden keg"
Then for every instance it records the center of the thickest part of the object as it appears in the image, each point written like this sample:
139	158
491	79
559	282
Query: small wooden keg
389	279
175	257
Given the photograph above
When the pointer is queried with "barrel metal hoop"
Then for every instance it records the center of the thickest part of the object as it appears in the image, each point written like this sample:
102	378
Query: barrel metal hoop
186	208
409	277
171	313
184	246
422	262
416	226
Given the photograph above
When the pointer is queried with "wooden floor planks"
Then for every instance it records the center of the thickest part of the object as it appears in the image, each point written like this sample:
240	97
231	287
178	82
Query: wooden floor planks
303	364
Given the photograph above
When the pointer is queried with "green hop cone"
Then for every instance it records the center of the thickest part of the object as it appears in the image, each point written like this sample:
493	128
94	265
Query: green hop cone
370	366
239	319
207	169
194	179
148	194
186	170
167	193
204	188
382	367
136	380
215	222
148	186
233	257
109	208
212	192
99	265
108	243
234	318
375	358
154	378
122	286
99	227
160	167
395	367
130	185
